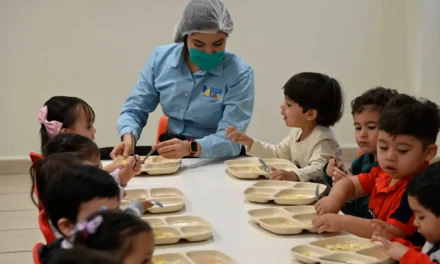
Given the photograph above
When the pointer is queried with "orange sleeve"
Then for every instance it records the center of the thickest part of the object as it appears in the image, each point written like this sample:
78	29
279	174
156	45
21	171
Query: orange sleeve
368	180
414	257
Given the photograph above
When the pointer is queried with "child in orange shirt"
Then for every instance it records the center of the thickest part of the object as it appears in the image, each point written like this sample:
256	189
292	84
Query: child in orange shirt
423	193
408	130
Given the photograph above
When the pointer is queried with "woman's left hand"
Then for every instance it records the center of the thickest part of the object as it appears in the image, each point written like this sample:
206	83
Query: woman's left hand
173	148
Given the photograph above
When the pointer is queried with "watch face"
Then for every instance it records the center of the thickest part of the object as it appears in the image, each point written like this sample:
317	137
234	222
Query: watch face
193	147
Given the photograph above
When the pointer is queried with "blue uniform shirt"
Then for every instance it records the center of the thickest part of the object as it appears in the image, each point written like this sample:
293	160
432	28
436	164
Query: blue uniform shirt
200	105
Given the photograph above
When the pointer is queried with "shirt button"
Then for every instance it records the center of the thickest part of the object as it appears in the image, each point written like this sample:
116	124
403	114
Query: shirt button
186	94
181	110
206	155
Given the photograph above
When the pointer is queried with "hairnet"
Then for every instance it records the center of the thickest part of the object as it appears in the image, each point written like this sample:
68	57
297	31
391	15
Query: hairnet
203	16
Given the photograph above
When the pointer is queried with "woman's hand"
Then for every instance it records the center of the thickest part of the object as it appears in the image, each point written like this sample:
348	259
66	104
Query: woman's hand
173	148
235	135
125	148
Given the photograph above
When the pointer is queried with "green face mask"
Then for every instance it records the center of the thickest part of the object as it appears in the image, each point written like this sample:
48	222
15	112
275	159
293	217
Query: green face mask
205	60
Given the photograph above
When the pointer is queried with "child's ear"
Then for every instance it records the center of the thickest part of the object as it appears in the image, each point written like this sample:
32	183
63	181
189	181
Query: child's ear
431	152
312	114
65	226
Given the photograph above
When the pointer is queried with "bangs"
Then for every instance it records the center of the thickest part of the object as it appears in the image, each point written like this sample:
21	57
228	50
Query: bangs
88	112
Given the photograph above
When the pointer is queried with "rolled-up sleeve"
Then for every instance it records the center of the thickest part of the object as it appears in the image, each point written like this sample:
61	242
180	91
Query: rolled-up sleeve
238	107
142	101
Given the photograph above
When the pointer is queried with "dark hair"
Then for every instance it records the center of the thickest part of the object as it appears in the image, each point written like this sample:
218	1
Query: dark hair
425	187
63	187
82	255
407	115
114	234
376	97
69	142
63	109
319	92
49	166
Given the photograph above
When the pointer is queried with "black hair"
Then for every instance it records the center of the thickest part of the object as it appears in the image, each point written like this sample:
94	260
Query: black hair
425	187
376	97
407	115
114	234
64	109
69	142
82	255
40	171
319	92
63	187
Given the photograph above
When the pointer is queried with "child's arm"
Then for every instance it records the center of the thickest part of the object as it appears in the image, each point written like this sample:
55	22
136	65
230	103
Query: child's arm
341	192
258	148
321	153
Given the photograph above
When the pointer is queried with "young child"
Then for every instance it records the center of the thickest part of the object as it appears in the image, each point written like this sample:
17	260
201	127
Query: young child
82	255
67	114
365	110
423	193
313	102
408	131
71	192
127	238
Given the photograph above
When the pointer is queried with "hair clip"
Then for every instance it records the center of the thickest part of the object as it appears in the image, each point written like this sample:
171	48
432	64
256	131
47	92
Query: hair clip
53	127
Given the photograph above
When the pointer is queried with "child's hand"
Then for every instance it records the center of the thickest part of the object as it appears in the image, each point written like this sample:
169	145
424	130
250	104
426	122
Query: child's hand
338	174
111	167
146	203
236	136
381	229
393	249
127	171
328	223
282	175
332	164
327	205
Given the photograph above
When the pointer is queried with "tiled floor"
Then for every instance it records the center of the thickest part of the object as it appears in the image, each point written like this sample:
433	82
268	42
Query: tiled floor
18	220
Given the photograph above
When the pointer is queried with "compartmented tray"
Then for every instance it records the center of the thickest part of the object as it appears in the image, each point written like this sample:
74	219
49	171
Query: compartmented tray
172	199
172	229
194	257
290	220
283	192
350	249
157	165
251	168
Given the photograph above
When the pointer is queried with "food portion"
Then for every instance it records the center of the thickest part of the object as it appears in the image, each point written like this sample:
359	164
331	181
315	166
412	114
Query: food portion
246	169
346	246
284	223
163	234
209	260
293	197
167	262
261	194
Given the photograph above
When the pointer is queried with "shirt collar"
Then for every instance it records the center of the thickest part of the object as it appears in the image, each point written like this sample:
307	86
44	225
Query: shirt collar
178	60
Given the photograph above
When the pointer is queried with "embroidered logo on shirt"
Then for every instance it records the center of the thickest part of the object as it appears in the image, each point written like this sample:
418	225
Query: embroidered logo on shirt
211	92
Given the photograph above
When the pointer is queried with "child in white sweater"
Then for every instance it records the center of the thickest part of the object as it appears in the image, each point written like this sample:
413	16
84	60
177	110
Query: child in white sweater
313	102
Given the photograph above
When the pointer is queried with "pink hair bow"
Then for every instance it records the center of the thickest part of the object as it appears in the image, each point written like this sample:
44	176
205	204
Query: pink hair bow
53	128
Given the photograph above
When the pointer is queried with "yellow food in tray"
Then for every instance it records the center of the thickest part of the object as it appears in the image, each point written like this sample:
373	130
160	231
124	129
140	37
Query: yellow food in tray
345	246
307	254
247	169
293	197
261	194
159	234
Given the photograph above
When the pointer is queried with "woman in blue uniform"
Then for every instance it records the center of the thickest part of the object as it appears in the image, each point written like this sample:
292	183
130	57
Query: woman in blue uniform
202	88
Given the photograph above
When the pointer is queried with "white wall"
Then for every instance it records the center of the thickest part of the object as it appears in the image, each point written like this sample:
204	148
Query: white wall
95	50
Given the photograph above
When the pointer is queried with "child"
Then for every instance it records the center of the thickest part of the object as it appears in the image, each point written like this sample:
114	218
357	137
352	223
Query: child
67	114
127	238
408	131
71	192
423	193
81	255
313	102
365	110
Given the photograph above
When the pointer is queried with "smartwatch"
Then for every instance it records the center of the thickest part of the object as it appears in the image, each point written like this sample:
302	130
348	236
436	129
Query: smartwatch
193	147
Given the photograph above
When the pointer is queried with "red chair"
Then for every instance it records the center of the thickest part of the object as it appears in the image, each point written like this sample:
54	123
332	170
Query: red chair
162	128
35	253
35	157
45	228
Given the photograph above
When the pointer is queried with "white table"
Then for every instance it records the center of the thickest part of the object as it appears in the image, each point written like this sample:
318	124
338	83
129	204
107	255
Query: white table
218	198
